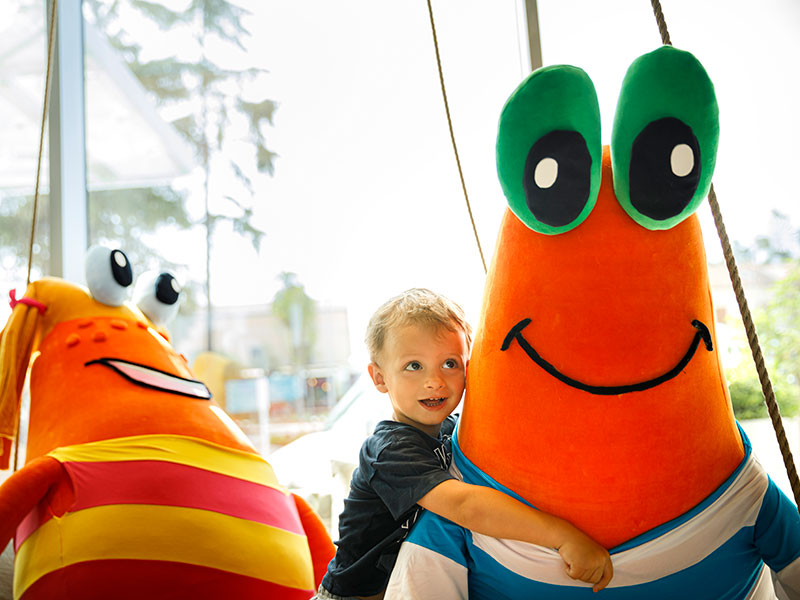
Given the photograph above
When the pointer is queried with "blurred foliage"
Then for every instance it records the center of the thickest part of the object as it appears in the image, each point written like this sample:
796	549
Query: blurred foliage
778	329
781	245
293	306
748	399
125	219
207	101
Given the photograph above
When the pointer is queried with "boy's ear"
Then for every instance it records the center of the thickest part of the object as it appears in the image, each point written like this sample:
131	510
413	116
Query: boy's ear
377	377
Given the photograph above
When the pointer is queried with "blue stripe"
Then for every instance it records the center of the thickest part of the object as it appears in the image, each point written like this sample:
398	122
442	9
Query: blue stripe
777	531
473	474
442	536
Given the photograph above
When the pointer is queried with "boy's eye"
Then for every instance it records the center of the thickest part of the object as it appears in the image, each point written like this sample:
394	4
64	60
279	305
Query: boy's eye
413	366
450	363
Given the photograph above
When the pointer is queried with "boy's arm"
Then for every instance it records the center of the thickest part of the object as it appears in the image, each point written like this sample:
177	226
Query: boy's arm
493	513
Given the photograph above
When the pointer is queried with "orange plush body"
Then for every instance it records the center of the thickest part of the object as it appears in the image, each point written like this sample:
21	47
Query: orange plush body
136	483
615	465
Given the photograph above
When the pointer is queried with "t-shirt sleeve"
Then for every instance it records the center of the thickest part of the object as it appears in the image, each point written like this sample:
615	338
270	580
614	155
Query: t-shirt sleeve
404	471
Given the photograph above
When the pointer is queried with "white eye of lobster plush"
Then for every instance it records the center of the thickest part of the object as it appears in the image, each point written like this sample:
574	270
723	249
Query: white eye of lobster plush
157	296
108	275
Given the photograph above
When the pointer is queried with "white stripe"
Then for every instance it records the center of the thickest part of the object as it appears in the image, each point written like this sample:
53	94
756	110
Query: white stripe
672	552
763	589
789	579
422	574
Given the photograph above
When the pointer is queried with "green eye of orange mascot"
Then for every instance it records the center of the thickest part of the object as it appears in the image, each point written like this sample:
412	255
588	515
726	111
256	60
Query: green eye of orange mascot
595	390
136	484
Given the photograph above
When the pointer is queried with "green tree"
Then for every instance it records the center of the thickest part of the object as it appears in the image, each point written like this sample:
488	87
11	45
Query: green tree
209	103
118	218
778	328
293	306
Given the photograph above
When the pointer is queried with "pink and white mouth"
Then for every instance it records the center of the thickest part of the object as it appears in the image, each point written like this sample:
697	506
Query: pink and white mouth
155	379
433	403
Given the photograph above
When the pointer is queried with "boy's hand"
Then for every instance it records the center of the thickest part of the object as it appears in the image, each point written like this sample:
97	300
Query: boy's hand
586	560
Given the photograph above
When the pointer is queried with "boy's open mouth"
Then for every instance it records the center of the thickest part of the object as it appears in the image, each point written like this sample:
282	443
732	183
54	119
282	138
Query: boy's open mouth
432	402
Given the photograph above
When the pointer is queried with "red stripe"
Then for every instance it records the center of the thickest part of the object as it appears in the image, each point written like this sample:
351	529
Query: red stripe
154	580
169	484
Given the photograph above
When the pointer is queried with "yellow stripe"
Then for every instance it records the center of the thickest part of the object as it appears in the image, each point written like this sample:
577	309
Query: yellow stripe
168	533
183	450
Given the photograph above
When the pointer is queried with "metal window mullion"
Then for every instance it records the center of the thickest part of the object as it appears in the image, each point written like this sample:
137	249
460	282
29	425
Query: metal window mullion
68	198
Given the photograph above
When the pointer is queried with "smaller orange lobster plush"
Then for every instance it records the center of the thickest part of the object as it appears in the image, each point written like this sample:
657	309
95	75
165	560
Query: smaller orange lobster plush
137	485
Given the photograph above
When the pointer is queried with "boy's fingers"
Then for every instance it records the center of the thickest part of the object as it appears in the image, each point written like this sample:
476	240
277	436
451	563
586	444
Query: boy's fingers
575	573
585	575
607	575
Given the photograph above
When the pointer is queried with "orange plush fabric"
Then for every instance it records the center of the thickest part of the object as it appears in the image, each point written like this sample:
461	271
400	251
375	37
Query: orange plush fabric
137	484
615	465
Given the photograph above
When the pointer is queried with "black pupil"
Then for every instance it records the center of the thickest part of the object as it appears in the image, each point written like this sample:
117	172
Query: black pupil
562	202
165	291
656	191
123	275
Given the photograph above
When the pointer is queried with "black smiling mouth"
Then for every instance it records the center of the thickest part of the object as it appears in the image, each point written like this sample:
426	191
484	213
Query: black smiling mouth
701	334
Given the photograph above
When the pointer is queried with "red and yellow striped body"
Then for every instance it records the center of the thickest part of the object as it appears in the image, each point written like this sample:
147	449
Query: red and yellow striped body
185	510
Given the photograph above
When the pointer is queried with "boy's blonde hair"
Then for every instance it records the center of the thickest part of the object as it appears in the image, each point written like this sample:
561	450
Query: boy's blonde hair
417	306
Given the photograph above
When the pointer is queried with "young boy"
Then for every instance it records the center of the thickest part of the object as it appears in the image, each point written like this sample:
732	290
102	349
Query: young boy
419	345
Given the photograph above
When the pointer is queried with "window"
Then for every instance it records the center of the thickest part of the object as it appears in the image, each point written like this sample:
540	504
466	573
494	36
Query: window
344	193
22	63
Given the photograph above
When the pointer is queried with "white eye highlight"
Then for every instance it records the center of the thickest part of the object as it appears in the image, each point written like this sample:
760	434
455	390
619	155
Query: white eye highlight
681	160
546	173
108	275
157	296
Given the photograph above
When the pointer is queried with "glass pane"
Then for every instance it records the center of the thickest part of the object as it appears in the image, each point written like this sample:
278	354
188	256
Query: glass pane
23	53
325	161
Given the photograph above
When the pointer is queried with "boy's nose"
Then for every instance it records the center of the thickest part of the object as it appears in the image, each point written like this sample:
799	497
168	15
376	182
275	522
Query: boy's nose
434	382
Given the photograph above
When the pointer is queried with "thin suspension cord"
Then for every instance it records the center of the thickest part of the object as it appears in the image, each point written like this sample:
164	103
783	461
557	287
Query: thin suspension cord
453	137
50	43
45	103
662	24
752	338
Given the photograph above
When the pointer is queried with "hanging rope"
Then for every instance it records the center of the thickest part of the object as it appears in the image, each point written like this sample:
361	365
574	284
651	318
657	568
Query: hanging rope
50	40
752	338
45	103
662	24
453	137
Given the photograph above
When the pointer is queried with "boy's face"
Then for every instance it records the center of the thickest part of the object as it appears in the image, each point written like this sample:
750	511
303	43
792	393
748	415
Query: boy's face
423	371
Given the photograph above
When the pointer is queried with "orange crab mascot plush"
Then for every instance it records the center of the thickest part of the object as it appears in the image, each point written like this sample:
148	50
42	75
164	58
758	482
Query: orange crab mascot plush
595	389
136	484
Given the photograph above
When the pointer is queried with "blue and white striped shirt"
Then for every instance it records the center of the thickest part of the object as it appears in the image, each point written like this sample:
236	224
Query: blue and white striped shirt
716	551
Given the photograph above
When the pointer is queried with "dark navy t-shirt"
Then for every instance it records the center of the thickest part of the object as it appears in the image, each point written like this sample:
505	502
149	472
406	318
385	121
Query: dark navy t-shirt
398	465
